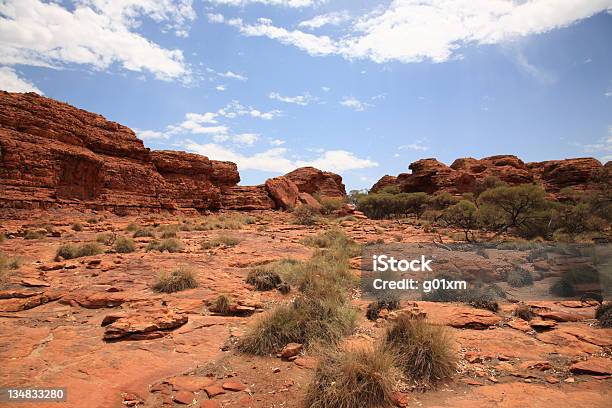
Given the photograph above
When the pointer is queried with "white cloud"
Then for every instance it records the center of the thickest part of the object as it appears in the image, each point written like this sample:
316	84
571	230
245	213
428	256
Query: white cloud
220	88
302	100
232	75
12	82
354	103
150	134
246	138
277	142
326	88
419	146
334	18
94	33
609	93
286	3
275	160
314	45
432	30
602	148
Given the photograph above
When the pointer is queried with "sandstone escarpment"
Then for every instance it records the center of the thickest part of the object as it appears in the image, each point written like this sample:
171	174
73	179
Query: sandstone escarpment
55	155
464	174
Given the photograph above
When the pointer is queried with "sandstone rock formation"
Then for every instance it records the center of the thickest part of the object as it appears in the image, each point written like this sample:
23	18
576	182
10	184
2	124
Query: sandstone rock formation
55	155
463	175
316	182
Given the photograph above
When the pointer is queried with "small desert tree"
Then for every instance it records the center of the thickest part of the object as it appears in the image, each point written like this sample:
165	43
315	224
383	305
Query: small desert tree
463	215
518	207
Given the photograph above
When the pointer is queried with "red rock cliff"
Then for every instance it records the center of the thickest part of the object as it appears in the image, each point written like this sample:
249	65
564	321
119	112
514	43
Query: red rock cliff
54	154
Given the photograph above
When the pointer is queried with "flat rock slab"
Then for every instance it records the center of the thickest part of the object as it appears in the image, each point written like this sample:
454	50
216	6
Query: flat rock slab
144	325
473	319
594	365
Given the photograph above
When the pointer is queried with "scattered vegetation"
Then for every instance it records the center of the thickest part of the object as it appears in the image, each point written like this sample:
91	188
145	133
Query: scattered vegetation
77	226
124	245
604	315
305	215
393	205
424	352
330	205
387	301
225	221
71	251
571	280
170	244
519	278
221	304
355	378
6	265
263	278
143	232
222	240
105	238
523	311
179	279
31	234
131	227
321	313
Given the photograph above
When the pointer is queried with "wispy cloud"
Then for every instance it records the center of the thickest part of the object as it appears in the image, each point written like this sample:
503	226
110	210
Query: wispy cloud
334	18
232	75
354	103
12	82
302	100
418	146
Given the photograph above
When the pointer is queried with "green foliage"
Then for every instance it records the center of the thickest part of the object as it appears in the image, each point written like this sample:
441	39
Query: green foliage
520	207
179	279
424	351
71	251
361	378
385	205
329	205
305	215
124	245
442	200
463	215
488	183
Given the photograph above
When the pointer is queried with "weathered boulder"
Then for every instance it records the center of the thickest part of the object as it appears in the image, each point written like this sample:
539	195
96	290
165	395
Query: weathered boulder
316	182
283	191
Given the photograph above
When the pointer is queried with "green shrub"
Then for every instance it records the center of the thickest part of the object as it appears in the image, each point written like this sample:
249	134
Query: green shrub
179	279
143	232
222	240
463	215
330	205
519	277
124	245
424	351
77	227
442	200
575	276
171	245
168	234
305	215
30	234
71	251
385	205
360	378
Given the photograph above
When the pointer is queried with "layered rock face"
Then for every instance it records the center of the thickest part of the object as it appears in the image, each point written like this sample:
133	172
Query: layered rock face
55	155
463	175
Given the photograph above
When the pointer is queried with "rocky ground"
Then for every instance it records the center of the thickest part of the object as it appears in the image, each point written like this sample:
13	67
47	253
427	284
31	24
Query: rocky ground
94	325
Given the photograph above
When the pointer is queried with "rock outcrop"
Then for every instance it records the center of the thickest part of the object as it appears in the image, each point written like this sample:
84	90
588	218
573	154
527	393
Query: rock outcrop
316	182
55	155
464	175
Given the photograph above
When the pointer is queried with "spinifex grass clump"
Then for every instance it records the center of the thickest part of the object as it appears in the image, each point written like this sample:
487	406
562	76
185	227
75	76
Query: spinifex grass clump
321	313
519	277
6	265
305	320
361	378
171	245
423	351
224	221
263	279
306	215
143	232
71	251
222	240
124	245
221	304
31	234
179	279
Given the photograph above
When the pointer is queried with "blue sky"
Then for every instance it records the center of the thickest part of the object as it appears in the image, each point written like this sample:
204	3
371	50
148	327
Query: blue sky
361	88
